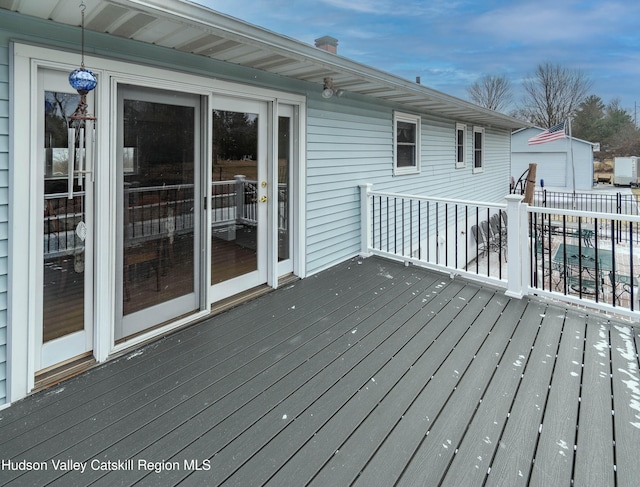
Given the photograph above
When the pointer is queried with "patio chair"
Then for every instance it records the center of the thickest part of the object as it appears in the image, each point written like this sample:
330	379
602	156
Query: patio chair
497	235
503	215
480	239
585	235
622	285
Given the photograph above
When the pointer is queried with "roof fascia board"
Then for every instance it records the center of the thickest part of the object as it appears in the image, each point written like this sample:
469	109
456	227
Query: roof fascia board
181	11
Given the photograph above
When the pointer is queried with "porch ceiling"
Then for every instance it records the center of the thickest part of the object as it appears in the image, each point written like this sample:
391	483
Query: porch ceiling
188	27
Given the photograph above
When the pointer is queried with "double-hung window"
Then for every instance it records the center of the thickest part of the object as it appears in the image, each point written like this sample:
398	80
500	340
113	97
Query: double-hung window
406	143
478	149
461	145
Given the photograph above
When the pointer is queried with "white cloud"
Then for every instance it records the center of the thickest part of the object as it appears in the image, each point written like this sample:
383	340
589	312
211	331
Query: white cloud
551	22
412	8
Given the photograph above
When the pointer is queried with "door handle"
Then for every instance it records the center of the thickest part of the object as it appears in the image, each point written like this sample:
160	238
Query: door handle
263	199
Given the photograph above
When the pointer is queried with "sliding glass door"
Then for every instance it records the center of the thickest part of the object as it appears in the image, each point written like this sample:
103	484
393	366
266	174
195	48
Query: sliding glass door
158	211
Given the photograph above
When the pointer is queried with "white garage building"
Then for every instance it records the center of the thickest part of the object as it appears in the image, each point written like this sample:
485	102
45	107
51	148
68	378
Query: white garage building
553	160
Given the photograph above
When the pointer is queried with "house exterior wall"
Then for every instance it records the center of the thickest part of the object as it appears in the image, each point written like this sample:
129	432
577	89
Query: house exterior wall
553	161
349	141
4	215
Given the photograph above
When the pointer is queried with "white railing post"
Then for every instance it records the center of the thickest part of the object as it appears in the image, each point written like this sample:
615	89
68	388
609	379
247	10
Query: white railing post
365	220
240	188
516	251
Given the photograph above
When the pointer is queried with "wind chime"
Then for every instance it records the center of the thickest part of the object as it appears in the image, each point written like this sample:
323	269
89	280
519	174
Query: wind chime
81	127
80	137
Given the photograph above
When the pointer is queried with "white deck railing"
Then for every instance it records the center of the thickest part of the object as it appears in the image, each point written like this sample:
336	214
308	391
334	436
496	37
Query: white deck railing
579	257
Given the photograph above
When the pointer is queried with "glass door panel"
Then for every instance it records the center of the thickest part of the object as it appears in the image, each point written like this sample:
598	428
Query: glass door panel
67	229
284	170
64	276
239	190
159	217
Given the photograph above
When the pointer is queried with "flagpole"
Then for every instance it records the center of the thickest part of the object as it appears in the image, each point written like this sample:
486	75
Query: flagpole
573	169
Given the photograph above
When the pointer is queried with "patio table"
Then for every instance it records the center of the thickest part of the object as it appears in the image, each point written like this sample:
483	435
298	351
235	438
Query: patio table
584	259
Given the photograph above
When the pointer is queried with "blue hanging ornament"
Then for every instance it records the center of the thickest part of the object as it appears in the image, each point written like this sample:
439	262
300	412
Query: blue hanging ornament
82	80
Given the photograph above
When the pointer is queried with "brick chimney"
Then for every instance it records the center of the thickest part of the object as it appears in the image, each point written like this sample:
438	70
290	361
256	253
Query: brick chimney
328	43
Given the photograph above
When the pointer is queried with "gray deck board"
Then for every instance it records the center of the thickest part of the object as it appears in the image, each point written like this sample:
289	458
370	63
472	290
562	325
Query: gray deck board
370	373
344	466
439	445
268	443
594	452
205	397
199	366
273	384
626	393
396	361
513	461
555	452
229	328
320	449
480	406
414	418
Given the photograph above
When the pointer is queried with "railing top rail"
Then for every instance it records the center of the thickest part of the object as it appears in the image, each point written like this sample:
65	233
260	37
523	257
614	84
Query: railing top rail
584	194
440	200
233	181
53	196
583	214
165	187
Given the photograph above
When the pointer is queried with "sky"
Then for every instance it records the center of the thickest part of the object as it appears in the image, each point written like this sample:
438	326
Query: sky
452	43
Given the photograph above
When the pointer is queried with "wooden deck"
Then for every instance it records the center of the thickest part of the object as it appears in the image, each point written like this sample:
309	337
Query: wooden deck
368	374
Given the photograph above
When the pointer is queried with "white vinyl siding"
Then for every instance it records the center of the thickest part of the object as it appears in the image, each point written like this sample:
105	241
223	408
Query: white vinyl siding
4	215
345	146
353	143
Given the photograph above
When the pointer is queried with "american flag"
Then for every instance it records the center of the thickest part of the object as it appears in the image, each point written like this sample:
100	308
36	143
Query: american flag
554	133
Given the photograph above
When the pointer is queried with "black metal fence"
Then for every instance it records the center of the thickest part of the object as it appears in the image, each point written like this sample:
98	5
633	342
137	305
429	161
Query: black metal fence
587	256
618	203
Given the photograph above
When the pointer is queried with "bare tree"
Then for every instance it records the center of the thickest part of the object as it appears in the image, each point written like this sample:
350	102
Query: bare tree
553	94
491	91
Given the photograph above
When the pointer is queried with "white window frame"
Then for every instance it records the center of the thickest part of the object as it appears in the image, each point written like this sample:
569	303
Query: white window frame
461	162
480	168
413	119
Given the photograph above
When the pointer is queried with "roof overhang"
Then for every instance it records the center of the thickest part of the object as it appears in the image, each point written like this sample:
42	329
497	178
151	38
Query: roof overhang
192	28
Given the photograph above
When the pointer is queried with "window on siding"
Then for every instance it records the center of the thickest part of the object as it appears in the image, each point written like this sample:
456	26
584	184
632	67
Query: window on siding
478	149
461	145
407	143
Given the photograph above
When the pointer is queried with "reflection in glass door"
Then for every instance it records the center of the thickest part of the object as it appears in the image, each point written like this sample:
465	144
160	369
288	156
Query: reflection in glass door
285	153
67	230
159	230
239	191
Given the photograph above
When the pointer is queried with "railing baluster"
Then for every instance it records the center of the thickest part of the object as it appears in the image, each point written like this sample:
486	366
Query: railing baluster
631	273
419	231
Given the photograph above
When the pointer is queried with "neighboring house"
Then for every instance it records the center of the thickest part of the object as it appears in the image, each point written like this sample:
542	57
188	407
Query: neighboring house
218	166
554	160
